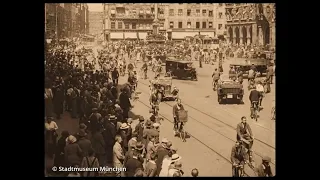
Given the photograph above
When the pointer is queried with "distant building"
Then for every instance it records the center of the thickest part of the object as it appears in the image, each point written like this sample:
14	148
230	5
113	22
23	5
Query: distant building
189	19
251	23
132	21
95	23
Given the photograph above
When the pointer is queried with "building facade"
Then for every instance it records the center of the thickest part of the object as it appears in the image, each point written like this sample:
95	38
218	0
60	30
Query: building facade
132	20
189	19
66	19
95	23
249	23
174	20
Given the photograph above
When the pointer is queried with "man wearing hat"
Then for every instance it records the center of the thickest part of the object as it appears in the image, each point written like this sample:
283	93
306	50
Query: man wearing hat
264	169
176	169
84	143
94	119
124	135
147	132
139	128
162	151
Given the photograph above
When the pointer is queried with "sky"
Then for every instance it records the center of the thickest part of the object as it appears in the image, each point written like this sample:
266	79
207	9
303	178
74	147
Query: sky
95	7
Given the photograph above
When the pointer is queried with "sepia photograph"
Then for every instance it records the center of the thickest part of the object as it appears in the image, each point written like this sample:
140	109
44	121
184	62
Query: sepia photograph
160	89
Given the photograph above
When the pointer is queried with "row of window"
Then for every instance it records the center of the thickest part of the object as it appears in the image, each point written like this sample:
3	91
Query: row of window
204	25
133	25
204	13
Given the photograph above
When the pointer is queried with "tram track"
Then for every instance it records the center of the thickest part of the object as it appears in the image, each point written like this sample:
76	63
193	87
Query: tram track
214	118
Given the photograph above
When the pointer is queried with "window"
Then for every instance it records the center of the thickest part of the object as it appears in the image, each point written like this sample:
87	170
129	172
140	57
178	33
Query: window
189	12
189	24
197	25
180	12
180	24
126	25
134	26
220	15
210	13
119	25
198	12
204	12
113	25
171	12
219	26
171	25
204	25
210	24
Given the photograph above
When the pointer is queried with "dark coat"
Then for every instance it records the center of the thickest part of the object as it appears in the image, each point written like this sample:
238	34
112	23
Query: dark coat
124	136
254	95
131	166
72	154
161	152
241	130
59	155
139	130
85	145
238	154
264	171
124	101
98	143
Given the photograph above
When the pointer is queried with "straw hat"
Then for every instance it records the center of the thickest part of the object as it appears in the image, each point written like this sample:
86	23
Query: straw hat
124	126
175	158
71	139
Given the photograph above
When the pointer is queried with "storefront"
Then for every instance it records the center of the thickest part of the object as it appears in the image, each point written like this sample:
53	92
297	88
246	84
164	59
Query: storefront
116	36
130	35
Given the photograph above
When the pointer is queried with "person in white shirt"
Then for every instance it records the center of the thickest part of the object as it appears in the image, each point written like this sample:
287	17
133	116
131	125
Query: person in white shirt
51	135
260	89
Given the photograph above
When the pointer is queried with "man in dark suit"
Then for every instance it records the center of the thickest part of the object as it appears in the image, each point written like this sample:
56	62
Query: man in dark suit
254	98
125	103
109	135
132	165
115	76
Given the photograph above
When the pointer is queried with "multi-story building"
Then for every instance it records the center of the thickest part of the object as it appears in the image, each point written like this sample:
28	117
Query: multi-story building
249	23
189	19
95	23
132	20
66	19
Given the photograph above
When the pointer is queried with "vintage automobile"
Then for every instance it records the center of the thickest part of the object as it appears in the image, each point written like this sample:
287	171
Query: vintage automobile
228	89
181	69
164	88
244	64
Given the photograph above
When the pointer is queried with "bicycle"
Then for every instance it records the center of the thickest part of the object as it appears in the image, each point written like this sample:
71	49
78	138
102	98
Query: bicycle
254	113
238	170
273	113
182	133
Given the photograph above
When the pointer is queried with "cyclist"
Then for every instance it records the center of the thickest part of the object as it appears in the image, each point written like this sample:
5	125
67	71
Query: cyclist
260	89
251	76
244	132
176	108
264	170
254	98
216	77
238	156
154	101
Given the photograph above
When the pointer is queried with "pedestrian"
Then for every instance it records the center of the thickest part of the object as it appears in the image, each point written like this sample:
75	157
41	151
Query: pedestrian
51	136
125	103
72	151
109	135
161	153
140	128
164	170
147	132
115	76
132	165
59	159
99	146
133	141
94	119
123	132
176	169
48	96
195	172
264	169
84	143
90	161
58	99
151	167
118	156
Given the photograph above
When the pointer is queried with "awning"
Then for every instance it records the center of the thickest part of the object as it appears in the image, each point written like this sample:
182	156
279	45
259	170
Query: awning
191	34
211	34
130	35
113	11
116	35
142	35
178	35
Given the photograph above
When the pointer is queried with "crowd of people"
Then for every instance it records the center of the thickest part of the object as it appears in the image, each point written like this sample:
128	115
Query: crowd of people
105	136
85	83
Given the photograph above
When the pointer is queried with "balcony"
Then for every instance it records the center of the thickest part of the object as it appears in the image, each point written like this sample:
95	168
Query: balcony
131	16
